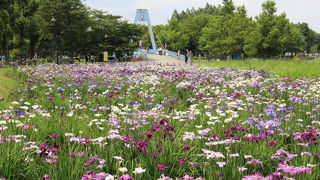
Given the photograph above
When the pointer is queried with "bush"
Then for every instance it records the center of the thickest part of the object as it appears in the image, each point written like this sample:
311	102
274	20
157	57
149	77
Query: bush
44	60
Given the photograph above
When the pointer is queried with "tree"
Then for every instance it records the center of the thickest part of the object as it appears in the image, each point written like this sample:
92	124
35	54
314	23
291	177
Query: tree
62	23
314	49
174	40
227	7
6	29
312	38
109	33
292	40
23	28
192	28
273	34
175	15
268	44
225	35
308	34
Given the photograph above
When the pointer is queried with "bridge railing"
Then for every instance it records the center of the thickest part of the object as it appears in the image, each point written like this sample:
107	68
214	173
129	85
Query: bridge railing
143	53
140	53
166	53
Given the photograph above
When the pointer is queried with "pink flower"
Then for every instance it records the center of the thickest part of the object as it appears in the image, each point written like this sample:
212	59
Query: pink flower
46	177
80	154
256	176
54	135
92	176
89	176
127	139
44	146
277	175
163	167
126	177
183	160
187	177
26	127
283	156
294	170
306	153
101	176
163	177
254	138
272	143
255	161
94	159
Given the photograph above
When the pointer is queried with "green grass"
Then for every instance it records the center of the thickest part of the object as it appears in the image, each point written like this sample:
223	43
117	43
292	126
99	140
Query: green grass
8	82
283	68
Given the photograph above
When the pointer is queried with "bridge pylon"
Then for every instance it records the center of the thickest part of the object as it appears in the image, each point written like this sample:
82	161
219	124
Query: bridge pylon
142	15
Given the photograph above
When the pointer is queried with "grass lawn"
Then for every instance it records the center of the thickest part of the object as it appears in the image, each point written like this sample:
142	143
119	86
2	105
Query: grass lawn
8	84
283	68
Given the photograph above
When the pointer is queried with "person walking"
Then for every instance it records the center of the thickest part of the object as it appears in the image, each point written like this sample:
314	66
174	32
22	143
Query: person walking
190	54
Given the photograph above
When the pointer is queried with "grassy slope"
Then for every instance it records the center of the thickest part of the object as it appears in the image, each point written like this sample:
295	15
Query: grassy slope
8	85
283	68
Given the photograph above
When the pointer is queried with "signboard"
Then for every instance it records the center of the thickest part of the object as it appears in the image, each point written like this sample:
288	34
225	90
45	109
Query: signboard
105	56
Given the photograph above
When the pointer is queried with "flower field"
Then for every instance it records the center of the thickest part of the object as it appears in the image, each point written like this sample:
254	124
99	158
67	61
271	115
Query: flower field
130	121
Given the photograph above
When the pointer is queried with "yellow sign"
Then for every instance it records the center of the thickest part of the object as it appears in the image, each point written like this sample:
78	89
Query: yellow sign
105	56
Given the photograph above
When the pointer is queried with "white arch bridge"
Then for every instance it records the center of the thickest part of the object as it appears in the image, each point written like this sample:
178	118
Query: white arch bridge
142	16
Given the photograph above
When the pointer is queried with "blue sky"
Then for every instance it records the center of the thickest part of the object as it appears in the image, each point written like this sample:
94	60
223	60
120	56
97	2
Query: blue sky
161	10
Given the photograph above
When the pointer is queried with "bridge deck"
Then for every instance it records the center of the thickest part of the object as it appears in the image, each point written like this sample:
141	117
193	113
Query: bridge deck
152	58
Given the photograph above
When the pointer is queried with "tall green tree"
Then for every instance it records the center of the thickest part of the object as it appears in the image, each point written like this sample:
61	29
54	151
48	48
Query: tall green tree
311	37
24	29
273	34
225	35
6	28
61	25
292	40
264	41
227	7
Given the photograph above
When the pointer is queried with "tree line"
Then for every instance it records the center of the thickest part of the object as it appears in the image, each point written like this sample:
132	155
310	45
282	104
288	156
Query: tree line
53	29
226	30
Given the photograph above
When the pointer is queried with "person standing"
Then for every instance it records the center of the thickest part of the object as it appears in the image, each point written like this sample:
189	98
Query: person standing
114	56
186	58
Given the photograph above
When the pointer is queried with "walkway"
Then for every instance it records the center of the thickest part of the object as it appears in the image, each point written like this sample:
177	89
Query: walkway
151	58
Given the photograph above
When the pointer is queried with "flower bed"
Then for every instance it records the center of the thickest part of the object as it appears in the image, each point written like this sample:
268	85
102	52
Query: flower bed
131	121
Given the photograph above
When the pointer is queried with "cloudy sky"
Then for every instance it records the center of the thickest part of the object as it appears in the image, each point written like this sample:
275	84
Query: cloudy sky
161	10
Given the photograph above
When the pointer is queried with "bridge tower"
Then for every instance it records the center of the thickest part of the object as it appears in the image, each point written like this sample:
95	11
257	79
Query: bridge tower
142	15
